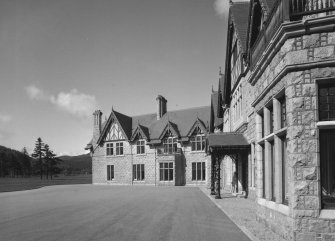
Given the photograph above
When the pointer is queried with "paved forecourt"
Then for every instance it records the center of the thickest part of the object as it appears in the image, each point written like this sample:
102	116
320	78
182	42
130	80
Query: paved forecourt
94	212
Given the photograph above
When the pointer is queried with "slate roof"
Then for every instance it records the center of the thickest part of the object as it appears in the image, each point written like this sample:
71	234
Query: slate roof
227	139
240	17
180	120
217	121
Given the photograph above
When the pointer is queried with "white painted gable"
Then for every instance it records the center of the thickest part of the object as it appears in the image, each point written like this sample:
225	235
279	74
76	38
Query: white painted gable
114	133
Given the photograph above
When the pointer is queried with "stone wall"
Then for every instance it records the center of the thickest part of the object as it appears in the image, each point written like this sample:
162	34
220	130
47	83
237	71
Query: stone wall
123	166
302	134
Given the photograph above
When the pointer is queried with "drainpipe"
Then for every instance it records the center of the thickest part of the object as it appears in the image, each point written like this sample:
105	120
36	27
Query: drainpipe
131	168
155	167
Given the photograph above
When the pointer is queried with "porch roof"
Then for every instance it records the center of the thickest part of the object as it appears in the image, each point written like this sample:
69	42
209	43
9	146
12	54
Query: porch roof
227	140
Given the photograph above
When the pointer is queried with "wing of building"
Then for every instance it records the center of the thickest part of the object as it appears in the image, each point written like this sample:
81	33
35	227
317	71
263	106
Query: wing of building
163	148
276	99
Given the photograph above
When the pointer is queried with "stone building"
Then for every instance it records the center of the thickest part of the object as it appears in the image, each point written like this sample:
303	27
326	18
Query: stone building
163	148
276	99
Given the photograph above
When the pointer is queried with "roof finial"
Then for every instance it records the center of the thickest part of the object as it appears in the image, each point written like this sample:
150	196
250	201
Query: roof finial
212	89
112	108
220	72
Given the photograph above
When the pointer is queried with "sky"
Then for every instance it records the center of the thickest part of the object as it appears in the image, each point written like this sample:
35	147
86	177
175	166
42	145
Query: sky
61	60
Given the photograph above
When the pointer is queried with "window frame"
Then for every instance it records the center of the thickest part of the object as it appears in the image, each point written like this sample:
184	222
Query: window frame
138	172
165	168
195	171
110	173
109	149
170	145
119	148
195	141
326	85
140	147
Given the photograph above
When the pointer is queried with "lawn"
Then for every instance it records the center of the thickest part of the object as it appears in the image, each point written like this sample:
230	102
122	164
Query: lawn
19	184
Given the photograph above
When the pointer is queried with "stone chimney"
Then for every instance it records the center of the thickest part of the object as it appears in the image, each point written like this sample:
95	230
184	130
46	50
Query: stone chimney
96	125
161	106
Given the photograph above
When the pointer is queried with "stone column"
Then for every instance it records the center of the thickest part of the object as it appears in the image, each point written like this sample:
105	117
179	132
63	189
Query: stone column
268	157
212	175
218	178
259	156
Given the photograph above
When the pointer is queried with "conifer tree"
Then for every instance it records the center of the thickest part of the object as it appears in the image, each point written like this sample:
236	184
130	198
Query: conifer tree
26	164
39	153
49	160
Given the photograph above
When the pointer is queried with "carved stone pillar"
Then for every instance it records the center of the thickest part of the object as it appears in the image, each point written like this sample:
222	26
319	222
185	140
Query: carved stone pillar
213	174
218	178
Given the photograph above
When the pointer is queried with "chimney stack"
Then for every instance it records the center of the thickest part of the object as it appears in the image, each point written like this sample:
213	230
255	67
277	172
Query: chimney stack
97	122
161	106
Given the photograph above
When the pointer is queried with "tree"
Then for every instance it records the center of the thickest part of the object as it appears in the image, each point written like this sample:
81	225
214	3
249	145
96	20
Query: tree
49	157
39	154
26	164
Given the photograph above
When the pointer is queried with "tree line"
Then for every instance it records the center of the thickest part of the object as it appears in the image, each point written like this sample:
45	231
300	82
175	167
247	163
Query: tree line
42	162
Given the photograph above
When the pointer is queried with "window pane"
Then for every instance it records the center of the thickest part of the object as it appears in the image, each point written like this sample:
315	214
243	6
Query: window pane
134	172
142	171
198	146
138	171
108	172
203	171
171	175
166	165
199	171
193	146
166	174
171	165
112	171
327	166
160	165
194	171
161	174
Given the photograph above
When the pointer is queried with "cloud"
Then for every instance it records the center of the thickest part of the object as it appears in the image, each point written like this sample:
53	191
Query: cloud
73	102
76	103
35	93
221	7
4	118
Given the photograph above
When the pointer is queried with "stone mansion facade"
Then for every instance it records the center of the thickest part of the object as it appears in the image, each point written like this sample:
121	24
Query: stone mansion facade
271	123
164	148
276	99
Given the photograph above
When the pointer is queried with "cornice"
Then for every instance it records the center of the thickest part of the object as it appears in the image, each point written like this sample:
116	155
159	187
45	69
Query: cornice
290	68
290	30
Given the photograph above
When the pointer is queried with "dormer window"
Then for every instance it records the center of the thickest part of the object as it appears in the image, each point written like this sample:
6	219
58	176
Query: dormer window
170	145
198	142
140	144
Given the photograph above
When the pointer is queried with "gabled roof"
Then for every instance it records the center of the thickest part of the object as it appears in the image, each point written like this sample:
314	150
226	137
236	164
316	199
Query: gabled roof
170	127
239	12
179	122
197	123
216	120
142	130
122	120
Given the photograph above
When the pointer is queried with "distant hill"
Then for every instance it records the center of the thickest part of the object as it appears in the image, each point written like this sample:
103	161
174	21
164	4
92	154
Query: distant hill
76	164
14	163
